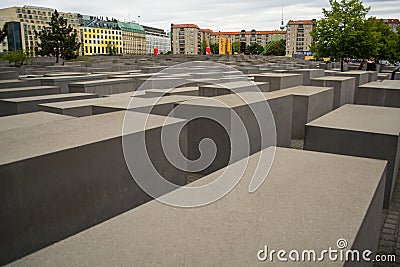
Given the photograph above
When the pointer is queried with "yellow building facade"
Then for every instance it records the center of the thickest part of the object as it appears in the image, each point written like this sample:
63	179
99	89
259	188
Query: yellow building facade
101	41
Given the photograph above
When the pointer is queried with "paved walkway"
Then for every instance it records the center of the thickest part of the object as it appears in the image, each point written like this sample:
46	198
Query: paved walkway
389	243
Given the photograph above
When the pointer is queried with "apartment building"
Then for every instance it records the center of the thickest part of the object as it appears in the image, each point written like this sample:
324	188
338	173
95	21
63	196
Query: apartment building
298	38
205	36
30	18
157	38
185	39
133	38
393	23
250	37
99	36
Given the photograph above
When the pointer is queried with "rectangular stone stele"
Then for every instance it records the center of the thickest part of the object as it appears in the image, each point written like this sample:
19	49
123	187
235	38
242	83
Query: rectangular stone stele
309	74
385	93
344	88
29	91
29	119
294	209
62	177
363	131
362	77
309	103
216	120
280	80
103	87
13	106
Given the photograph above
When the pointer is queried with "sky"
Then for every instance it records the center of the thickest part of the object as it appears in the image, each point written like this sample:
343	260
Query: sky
218	15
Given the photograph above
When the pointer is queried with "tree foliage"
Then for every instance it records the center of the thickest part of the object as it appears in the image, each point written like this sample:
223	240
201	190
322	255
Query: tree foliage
344	31
59	39
236	47
17	57
3	32
203	47
387	41
275	48
255	49
214	48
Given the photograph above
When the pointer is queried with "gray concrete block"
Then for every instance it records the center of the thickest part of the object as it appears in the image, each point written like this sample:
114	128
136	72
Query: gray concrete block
344	88
63	81
385	93
103	87
29	119
157	106
12	106
9	75
29	91
308	74
63	177
314	210
12	83
372	76
361	76
201	128
232	87
189	91
280	80
309	103
362	131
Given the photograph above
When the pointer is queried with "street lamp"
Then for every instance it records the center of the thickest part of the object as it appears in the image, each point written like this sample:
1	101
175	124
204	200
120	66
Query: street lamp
342	28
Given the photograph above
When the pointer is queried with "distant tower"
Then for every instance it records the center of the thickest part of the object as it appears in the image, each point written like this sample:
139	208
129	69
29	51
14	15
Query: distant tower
282	23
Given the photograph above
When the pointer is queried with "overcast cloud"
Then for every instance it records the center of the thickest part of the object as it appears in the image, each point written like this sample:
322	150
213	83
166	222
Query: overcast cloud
218	15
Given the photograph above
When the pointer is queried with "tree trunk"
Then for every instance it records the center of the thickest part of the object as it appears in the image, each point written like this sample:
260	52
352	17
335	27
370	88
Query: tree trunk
342	64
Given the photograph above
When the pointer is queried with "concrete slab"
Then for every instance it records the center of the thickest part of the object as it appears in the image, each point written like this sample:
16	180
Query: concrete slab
85	180
77	108
12	106
63	81
222	107
189	91
363	131
9	75
309	103
361	76
230	87
308	74
29	91
103	87
163	106
315	209
385	93
280	80
29	119
344	88
12	83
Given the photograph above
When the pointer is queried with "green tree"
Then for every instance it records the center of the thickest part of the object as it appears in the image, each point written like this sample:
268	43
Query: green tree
386	40
236	47
341	32
214	48
17	57
59	39
204	45
256	49
3	32
111	49
398	43
275	48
